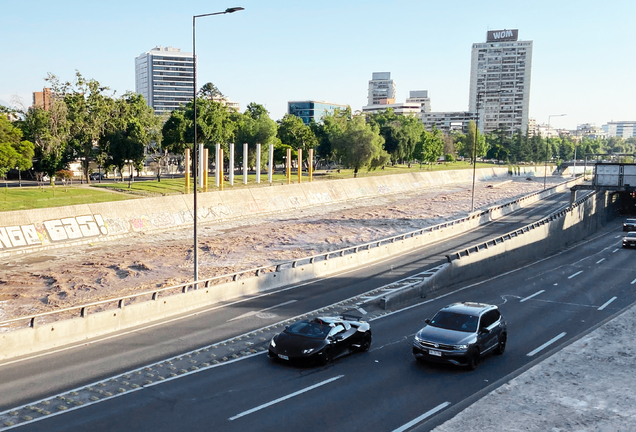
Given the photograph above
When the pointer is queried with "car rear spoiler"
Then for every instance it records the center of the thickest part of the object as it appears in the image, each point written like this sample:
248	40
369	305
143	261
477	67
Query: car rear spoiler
350	317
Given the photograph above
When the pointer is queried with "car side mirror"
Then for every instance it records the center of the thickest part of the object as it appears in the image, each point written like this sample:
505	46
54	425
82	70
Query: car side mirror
338	337
427	320
286	327
484	330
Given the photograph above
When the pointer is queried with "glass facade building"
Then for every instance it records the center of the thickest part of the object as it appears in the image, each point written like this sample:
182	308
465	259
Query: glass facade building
165	78
308	110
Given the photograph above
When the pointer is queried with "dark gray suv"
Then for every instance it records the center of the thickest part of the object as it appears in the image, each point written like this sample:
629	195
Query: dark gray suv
461	334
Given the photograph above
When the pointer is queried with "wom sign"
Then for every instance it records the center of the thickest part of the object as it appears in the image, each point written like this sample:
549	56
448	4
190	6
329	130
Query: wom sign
502	35
52	231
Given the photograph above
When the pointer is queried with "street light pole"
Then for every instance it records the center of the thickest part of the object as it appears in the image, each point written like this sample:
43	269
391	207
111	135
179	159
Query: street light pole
545	167
195	150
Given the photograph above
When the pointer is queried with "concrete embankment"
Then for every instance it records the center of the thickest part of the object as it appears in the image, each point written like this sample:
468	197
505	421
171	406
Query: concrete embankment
517	248
42	229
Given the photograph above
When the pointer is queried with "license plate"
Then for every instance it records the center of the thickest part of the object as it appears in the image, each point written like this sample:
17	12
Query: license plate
284	357
435	353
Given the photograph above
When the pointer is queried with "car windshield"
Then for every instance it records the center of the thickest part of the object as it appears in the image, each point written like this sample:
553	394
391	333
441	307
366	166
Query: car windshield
630	221
455	321
631	234
309	329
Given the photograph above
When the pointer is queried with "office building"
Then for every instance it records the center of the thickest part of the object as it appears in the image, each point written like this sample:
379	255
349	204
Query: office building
414	108
448	121
624	129
421	97
165	77
381	89
42	99
500	82
308	110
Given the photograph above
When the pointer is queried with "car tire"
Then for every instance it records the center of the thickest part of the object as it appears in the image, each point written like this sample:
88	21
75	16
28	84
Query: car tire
473	360
326	357
501	345
366	342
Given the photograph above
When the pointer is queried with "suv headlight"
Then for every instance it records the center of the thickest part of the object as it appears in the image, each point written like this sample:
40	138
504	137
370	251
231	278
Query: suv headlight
307	351
273	342
460	347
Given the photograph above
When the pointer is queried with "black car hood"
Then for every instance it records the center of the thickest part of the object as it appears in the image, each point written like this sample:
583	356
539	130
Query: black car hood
293	345
444	336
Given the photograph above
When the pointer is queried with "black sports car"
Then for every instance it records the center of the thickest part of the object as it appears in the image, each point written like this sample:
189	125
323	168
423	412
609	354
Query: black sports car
321	339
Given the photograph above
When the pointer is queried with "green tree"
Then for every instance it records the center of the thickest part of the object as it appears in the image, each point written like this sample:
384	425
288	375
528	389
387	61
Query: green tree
293	131
475	140
431	145
255	127
14	152
209	90
88	111
358	144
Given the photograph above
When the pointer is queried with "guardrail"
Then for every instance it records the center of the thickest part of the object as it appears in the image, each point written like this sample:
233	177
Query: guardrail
82	311
516	233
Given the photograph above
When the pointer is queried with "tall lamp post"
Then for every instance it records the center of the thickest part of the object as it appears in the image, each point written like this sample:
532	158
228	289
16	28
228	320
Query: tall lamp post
195	149
472	199
545	167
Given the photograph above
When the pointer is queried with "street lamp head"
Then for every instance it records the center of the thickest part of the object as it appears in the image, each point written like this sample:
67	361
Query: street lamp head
234	9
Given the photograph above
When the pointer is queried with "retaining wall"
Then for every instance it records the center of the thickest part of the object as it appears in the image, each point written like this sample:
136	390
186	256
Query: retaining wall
41	229
517	248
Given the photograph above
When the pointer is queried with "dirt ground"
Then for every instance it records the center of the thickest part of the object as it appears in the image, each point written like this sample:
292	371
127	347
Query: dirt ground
60	278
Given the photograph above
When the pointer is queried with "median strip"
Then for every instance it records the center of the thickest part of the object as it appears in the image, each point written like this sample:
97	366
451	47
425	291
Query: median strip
289	396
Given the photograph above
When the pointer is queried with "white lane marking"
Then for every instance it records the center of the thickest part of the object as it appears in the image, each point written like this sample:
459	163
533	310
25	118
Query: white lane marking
618	236
362	311
607	303
575	274
633	282
250	313
422	417
548	343
533	295
289	396
600	261
615	250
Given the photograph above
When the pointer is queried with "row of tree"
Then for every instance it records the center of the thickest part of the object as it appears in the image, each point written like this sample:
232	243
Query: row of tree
87	123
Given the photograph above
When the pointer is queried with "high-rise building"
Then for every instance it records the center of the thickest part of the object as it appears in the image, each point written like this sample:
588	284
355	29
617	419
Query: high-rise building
500	82
448	121
381	89
42	99
308	110
165	77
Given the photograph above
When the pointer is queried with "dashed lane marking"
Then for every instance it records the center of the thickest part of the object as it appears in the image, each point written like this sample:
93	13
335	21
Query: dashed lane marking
284	398
575	274
533	295
423	417
607	303
600	261
547	344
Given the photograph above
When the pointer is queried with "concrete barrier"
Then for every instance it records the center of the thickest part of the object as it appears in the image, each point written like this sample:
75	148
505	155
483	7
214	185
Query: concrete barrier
41	334
516	248
41	229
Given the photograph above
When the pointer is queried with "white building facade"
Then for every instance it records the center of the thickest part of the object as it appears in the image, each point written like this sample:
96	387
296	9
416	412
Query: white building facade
420	97
448	121
165	77
500	82
624	129
381	89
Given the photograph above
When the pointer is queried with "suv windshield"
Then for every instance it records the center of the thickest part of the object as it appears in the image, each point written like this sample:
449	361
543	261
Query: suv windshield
455	321
308	329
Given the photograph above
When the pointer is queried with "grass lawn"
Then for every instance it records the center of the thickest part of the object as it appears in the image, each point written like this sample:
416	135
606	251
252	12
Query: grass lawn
24	198
57	196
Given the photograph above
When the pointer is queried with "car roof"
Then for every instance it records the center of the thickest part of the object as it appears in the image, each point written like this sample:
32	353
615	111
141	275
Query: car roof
469	308
630	220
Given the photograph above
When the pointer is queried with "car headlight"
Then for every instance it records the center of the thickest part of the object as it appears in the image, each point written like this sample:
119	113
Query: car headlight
307	351
460	347
418	339
273	342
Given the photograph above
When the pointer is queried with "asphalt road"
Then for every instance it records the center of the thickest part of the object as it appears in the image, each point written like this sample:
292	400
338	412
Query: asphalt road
34	377
550	302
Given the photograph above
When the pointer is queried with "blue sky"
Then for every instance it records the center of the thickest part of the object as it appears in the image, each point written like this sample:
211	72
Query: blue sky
278	50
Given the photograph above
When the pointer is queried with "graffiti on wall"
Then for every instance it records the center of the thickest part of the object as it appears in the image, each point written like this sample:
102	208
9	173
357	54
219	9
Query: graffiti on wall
51	231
